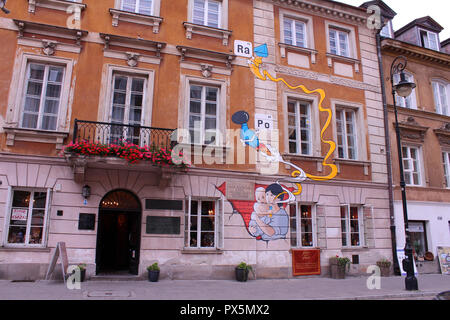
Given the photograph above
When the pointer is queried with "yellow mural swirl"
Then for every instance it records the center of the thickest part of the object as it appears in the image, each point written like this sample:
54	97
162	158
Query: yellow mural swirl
255	65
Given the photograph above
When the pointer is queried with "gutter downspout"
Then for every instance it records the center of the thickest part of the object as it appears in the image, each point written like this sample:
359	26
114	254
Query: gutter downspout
388	156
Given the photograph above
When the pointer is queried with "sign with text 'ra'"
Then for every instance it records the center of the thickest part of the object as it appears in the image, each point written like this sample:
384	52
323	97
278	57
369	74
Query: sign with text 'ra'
243	48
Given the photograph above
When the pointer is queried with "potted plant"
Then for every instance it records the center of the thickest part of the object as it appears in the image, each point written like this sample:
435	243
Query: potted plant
242	271
153	272
82	267
385	267
338	266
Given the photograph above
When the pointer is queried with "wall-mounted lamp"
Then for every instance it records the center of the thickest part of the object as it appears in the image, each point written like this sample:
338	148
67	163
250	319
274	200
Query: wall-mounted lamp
86	192
2	6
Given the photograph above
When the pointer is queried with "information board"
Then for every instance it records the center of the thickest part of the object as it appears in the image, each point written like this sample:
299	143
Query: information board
163	225
444	259
306	262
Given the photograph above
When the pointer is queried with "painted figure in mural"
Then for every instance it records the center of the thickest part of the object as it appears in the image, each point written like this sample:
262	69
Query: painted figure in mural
269	220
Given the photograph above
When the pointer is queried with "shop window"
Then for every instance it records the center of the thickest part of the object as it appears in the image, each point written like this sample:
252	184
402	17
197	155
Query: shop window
346	134
418	238
302	224
299	127
201	229
27	218
351	226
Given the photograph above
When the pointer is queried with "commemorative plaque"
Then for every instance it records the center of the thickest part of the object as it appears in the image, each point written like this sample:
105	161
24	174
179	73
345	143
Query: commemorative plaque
305	262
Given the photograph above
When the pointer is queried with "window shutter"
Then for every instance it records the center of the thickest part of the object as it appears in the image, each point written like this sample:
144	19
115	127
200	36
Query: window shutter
48	211
321	228
368	227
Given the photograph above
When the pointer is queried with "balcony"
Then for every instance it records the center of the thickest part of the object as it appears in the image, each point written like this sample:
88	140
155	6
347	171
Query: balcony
105	145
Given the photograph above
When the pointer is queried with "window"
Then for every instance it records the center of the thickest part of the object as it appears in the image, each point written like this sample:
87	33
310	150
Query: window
200	225
127	106
386	30
302	226
411	165
441	98
339	42
138	6
295	32
207	13
418	237
410	101
446	162
27	218
43	90
299	127
346	134
203	114
429	40
351	221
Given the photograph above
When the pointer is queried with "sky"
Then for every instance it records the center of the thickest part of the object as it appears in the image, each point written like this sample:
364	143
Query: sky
409	10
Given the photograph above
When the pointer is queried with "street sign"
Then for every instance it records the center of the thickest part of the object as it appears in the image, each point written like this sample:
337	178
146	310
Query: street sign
243	48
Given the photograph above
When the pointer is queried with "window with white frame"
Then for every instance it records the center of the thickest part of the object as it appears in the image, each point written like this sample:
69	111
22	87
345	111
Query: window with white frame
302	224
441	97
409	101
339	42
294	32
42	97
430	40
26	221
207	13
346	134
351	226
127	107
201	223
203	113
137	6
412	165
299	127
446	162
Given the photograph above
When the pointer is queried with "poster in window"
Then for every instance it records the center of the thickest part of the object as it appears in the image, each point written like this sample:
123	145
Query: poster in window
444	259
19	214
305	262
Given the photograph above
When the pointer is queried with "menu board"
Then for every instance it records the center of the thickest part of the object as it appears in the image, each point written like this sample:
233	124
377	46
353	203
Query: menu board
306	262
444	259
19	214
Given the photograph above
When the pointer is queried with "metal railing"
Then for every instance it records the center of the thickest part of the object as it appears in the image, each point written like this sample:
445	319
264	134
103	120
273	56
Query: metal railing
120	134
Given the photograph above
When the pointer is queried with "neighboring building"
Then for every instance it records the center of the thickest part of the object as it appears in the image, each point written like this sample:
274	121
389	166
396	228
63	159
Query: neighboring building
134	71
424	119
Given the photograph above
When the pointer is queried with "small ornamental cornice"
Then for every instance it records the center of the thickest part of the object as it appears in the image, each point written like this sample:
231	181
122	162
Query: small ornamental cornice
411	130
443	134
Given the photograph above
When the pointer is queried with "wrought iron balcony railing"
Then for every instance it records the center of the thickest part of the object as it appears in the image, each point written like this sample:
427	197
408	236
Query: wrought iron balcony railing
119	134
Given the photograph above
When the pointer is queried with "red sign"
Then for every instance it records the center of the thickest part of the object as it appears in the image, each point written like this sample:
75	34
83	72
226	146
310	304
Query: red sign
306	262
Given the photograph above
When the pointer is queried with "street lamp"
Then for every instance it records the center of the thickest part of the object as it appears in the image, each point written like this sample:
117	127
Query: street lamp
2	6
403	89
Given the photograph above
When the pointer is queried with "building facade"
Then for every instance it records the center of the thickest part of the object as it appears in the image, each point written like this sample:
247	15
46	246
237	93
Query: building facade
107	74
424	129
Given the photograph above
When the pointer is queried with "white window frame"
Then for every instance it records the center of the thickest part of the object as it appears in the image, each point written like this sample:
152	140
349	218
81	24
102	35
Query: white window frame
137	7
299	233
156	7
293	29
411	99
184	109
218	226
223	13
428	42
30	212
345	146
18	88
411	171
205	13
348	226
446	163
305	19
352	49
298	128
340	42
107	91
438	98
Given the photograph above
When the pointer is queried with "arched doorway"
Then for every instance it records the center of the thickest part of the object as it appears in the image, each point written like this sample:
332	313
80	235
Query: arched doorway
119	233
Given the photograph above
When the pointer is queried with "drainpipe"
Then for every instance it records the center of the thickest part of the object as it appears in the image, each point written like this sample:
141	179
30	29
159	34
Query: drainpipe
388	156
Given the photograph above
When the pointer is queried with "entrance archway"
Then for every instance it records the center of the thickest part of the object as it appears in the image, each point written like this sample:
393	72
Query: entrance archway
119	233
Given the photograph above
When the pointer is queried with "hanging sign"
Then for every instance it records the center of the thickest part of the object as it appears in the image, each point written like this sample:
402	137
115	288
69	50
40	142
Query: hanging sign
19	214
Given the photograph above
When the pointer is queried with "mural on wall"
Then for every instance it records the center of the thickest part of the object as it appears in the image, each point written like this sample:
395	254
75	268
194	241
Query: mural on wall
265	215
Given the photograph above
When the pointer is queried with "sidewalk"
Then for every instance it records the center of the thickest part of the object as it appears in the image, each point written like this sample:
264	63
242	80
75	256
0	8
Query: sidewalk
286	289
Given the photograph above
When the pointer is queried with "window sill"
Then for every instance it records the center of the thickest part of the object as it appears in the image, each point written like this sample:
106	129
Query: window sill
333	57
201	251
360	163
31	135
301	158
360	248
120	15
54	4
24	249
290	47
207	31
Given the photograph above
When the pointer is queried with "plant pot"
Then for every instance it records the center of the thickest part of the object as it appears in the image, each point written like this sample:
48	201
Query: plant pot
241	274
82	275
385	271
337	271
153	275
